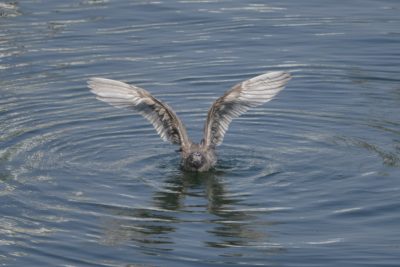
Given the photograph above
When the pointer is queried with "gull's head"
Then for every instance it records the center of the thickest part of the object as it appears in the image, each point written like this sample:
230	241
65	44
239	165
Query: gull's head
195	161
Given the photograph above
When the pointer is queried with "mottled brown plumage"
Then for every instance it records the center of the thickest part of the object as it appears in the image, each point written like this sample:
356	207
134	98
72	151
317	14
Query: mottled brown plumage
195	157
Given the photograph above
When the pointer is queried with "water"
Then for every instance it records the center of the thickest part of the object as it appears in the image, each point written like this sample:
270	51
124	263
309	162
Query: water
310	179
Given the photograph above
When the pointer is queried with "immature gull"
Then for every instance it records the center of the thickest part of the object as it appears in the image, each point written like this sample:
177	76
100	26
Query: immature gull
195	157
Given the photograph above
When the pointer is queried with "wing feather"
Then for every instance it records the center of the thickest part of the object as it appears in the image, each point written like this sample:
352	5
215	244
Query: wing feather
247	94
161	116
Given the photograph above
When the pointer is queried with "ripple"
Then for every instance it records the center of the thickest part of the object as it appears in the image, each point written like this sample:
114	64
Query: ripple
325	242
387	157
310	173
347	210
9	10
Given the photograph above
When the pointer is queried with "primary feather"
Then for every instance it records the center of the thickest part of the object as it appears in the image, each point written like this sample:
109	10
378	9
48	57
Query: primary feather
239	99
123	95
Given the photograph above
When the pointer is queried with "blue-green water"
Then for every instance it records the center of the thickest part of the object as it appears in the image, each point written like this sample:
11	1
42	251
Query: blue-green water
309	179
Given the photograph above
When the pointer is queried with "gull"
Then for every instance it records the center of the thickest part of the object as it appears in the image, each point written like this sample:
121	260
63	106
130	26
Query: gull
198	157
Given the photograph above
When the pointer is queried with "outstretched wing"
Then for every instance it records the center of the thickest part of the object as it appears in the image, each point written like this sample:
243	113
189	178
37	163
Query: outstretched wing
122	95
239	99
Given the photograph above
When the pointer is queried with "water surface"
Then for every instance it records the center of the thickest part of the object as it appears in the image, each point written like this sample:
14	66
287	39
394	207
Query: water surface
310	179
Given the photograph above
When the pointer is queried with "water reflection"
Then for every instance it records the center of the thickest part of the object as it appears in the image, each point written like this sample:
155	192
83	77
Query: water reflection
185	184
187	200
